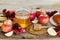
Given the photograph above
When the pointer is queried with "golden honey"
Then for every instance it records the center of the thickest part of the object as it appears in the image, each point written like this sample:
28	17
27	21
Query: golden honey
22	18
23	22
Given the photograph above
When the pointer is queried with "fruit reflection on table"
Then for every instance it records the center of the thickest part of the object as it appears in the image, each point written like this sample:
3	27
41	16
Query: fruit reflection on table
36	22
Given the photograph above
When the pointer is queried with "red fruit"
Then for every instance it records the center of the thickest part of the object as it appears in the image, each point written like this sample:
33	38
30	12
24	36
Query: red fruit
51	13
10	14
16	31
43	19
38	13
19	30
11	11
32	16
58	33
7	26
4	12
22	30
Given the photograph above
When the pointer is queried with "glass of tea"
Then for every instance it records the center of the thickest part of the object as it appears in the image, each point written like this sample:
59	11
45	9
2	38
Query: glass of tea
22	18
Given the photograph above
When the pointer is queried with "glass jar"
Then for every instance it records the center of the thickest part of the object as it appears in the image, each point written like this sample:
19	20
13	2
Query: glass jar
22	18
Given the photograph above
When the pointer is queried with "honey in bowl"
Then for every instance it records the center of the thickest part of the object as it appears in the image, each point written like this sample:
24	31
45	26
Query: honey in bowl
22	18
56	19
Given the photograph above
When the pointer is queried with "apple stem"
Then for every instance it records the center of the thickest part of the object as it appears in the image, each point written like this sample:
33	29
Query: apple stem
43	12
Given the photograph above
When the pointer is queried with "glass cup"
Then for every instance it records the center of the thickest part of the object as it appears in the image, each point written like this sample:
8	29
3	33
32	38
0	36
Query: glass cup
22	18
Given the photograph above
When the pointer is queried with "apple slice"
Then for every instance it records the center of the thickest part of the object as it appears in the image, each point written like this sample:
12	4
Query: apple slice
8	22
51	31
9	34
1	24
37	27
3	18
35	20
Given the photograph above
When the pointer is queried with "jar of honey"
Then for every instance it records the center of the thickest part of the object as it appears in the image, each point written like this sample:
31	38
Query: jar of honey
22	18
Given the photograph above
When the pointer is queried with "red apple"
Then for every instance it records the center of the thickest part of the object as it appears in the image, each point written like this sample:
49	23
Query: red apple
32	16
7	26
43	19
38	12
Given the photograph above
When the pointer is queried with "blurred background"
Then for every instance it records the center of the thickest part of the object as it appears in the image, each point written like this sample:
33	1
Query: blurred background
16	4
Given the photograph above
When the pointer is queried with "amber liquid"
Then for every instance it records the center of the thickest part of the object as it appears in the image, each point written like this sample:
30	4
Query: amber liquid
23	22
